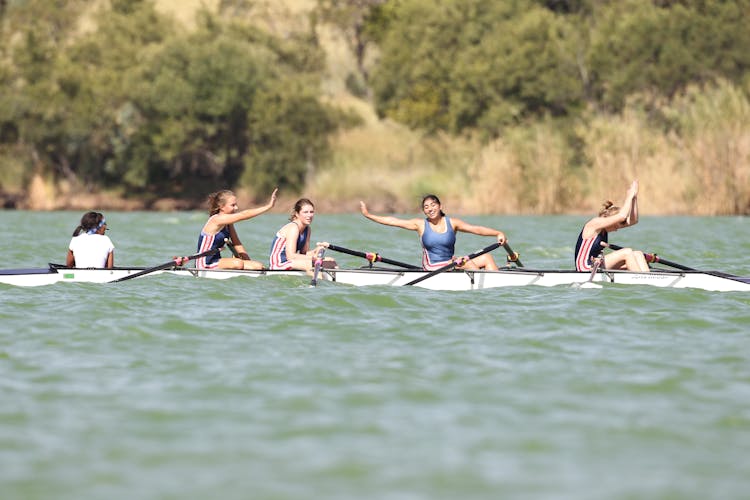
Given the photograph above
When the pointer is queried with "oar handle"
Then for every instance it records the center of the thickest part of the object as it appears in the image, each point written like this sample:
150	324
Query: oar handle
453	264
371	257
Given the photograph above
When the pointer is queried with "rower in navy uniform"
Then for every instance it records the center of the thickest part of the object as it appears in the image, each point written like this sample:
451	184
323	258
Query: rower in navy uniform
593	237
224	213
290	248
437	234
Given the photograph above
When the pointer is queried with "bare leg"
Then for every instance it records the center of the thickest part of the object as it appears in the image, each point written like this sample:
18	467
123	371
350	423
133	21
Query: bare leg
626	259
235	263
640	262
482	262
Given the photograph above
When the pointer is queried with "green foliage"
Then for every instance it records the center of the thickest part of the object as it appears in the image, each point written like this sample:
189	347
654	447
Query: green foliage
476	64
138	103
132	99
355	20
639	46
465	65
288	128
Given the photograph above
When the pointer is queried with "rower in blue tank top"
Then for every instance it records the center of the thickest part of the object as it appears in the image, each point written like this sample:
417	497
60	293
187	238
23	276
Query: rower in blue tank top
438	247
437	233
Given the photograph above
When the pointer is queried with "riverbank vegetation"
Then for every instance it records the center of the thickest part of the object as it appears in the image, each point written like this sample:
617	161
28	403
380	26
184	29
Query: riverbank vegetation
529	106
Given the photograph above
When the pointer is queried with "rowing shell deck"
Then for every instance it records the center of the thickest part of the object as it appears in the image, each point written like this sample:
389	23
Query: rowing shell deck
451	280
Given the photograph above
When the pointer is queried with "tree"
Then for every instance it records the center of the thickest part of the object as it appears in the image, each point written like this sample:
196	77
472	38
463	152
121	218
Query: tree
638	46
355	20
462	65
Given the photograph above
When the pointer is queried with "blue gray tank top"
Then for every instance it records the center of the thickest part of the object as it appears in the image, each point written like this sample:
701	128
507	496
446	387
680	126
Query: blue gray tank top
440	247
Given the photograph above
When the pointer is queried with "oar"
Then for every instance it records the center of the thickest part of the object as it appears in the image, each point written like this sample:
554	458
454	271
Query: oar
589	283
652	257
318	264
372	257
512	256
453	264
228	242
177	261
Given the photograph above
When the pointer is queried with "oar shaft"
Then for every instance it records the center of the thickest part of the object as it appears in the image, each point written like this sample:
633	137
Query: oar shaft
453	264
177	261
229	244
369	257
656	258
512	256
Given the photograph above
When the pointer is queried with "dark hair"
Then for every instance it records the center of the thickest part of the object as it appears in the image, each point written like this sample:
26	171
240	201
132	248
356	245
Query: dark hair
217	200
89	221
435	199
298	206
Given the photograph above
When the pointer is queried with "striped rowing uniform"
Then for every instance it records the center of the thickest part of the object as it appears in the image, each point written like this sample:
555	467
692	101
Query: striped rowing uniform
278	258
588	249
208	242
437	248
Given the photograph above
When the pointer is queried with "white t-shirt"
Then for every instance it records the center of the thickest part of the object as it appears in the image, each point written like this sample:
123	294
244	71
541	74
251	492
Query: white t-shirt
91	250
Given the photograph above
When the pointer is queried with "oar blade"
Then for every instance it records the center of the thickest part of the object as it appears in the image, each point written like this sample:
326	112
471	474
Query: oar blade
318	263
587	284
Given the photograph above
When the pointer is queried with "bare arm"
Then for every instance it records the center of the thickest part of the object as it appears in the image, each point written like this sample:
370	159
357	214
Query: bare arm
291	233
111	260
70	260
633	217
225	219
410	224
238	247
626	216
630	205
460	225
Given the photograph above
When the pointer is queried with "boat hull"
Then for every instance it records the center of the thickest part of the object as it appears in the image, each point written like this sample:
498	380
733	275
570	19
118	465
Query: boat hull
451	281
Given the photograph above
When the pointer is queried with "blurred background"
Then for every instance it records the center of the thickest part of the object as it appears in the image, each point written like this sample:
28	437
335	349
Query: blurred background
527	107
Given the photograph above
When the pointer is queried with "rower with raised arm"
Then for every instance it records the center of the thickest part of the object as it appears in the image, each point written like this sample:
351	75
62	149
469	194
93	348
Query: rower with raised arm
437	234
593	237
224	213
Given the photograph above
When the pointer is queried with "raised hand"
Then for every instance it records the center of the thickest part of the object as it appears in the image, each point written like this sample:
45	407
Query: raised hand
363	208
633	190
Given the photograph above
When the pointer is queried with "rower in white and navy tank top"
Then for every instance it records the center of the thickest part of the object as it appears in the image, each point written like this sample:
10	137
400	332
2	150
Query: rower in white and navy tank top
278	258
437	248
588	249
208	242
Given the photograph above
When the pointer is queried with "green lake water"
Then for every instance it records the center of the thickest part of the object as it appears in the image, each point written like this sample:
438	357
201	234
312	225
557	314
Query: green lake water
175	388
